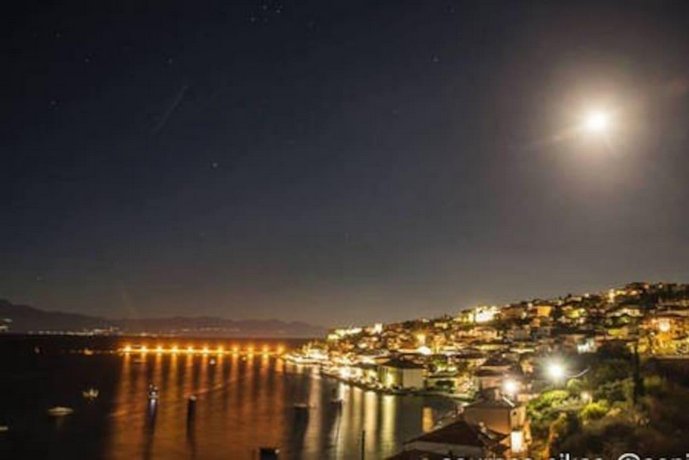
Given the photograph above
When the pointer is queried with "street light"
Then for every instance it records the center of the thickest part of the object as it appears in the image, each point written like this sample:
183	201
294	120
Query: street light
510	387
555	371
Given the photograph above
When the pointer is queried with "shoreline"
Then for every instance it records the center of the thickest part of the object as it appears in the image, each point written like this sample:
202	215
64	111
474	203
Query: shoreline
382	390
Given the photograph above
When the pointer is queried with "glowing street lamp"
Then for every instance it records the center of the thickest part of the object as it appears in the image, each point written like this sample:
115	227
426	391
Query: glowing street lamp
510	387
555	371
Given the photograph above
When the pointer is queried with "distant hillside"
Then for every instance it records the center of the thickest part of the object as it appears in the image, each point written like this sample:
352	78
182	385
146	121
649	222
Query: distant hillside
25	319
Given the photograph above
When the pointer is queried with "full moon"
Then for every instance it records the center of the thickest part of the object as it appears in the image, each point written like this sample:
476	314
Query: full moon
597	122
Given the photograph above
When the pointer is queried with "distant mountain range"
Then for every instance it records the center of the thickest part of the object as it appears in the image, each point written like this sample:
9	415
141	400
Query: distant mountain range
24	319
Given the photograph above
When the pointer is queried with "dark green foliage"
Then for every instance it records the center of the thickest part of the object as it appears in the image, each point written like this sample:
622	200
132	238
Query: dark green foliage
595	410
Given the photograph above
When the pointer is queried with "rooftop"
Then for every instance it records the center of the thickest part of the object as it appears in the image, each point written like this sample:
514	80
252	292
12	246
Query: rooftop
492	404
461	433
402	364
498	361
415	454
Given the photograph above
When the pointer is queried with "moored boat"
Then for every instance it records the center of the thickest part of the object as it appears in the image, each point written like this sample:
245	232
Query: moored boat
153	392
91	393
59	411
268	453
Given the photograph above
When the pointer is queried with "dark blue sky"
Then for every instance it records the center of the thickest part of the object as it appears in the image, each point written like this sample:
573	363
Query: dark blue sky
338	162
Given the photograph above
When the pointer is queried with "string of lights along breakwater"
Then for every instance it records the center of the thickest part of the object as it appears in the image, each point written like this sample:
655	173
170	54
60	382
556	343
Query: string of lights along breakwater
219	350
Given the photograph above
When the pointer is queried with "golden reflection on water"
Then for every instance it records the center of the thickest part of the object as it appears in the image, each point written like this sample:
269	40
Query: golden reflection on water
389	420
371	420
247	401
427	420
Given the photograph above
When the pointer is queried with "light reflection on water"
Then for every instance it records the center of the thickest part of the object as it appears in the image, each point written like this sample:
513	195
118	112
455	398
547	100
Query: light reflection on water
244	402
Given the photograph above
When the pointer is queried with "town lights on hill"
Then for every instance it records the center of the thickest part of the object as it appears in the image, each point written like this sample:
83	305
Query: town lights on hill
485	314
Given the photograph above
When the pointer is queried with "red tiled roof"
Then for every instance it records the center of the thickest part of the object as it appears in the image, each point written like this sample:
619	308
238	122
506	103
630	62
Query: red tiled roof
460	433
416	454
502	403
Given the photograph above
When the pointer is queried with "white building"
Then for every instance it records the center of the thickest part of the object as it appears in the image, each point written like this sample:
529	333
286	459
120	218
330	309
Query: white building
398	373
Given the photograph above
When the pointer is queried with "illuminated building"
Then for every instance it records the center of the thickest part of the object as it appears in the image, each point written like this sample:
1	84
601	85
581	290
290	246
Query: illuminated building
398	373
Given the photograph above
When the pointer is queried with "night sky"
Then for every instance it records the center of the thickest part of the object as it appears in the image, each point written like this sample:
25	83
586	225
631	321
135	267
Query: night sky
338	162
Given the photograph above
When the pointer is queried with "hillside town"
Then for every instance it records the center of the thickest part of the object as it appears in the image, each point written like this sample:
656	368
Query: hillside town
527	376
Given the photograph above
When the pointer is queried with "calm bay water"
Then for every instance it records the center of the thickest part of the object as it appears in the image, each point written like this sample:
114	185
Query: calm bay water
244	402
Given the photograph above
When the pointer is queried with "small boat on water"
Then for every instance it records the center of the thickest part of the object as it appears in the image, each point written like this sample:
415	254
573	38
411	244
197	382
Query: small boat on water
90	394
60	411
302	414
268	453
301	410
4	428
153	392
